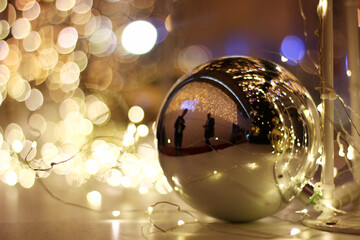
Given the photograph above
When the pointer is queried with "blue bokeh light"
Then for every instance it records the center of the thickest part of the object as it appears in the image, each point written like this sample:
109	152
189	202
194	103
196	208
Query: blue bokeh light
159	24
292	48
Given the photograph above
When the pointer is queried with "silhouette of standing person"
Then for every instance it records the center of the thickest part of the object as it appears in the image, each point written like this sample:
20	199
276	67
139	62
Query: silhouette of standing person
209	129
178	134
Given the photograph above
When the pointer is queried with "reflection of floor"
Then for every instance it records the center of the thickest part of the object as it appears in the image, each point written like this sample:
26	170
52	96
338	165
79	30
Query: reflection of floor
171	151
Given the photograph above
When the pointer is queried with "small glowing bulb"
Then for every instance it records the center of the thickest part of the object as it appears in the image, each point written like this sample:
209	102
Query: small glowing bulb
350	153
116	213
11	178
169	141
136	114
348	72
131	128
143	190
216	138
143	130
294	231
94	197
284	59
128	139
150	210
341	151
215	172
181	222
126	181
17	146
91	166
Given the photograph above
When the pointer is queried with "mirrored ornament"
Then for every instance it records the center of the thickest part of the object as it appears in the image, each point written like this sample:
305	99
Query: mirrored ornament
238	138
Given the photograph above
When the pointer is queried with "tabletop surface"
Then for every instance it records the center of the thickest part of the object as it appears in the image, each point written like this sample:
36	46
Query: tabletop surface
59	212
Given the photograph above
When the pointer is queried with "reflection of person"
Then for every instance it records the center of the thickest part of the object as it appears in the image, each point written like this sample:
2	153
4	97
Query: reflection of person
179	128
209	129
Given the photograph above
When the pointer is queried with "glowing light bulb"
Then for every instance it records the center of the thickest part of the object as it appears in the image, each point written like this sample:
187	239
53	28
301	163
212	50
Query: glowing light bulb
341	151
139	37
136	114
143	190
126	181
115	178
116	213
143	130
150	210
350	153
94	197
11	178
294	231
128	139
181	222
131	128
284	59
17	146
91	166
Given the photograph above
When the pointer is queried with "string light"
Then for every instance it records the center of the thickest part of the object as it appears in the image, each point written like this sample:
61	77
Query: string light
116	213
294	231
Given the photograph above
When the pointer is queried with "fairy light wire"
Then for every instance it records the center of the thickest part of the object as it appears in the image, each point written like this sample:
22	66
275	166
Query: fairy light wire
247	232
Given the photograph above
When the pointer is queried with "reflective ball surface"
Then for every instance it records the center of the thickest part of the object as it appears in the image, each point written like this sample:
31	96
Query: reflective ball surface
238	138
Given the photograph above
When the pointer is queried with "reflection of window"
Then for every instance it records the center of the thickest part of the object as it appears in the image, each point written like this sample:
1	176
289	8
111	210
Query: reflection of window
189	104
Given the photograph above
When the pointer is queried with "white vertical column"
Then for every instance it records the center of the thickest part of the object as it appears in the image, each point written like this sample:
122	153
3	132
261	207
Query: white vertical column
327	77
354	78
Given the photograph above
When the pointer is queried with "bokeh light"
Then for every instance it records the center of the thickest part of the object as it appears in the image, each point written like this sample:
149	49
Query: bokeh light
3	5
94	197
32	41
27	178
293	48
4	74
35	100
4	29
68	37
4	50
136	114
92	166
21	28
192	56
143	130
161	30
139	37
31	10
65	5
11	178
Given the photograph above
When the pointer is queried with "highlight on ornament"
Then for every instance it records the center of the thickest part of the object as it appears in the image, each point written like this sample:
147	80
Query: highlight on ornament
238	138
